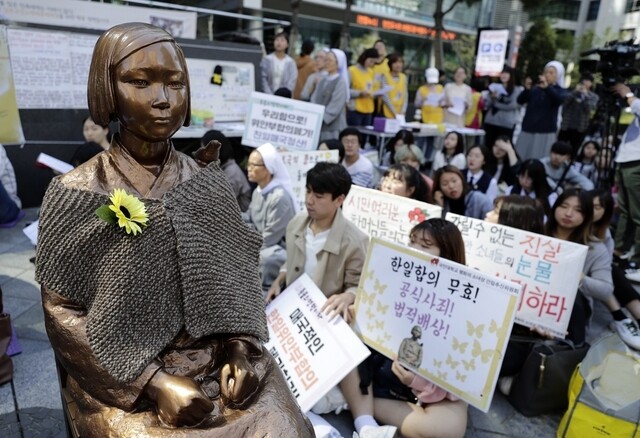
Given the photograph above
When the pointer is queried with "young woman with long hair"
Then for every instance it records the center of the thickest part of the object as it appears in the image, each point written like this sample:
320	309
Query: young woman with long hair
452	193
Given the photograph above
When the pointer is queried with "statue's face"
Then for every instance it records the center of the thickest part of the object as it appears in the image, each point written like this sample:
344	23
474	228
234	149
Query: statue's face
151	92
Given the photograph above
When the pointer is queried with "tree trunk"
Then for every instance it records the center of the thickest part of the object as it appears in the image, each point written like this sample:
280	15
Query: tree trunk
293	35
438	18
344	33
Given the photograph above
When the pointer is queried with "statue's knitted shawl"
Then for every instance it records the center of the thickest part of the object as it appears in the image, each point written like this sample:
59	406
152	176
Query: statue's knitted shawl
194	265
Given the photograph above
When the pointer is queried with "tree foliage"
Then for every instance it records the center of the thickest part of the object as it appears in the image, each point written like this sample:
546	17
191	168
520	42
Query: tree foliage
538	47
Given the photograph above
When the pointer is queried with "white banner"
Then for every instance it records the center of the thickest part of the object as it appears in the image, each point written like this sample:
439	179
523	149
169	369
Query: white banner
314	354
96	15
283	122
298	164
445	321
380	214
227	101
548	269
492	51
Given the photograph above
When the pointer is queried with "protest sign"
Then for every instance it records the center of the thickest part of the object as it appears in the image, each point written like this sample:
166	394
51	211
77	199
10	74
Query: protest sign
288	123
298	164
445	321
380	214
314	353
491	52
549	269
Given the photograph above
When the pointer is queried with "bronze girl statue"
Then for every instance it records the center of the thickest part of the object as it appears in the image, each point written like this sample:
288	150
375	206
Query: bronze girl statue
149	276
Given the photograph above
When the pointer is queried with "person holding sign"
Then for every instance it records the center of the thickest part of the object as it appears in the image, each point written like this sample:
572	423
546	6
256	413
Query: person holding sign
322	243
396	389
501	105
396	99
453	194
458	99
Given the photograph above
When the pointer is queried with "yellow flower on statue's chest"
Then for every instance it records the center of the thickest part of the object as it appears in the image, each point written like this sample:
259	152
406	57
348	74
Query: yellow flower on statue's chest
125	210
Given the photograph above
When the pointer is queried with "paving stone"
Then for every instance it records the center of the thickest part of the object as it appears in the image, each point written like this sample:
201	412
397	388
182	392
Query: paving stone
22	285
35	378
7	406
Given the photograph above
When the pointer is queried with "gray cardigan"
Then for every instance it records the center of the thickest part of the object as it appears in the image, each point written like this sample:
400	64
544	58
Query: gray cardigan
597	282
270	214
503	111
332	93
289	75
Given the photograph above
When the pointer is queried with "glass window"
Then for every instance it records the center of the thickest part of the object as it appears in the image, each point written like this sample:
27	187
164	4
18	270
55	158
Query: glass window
632	6
594	7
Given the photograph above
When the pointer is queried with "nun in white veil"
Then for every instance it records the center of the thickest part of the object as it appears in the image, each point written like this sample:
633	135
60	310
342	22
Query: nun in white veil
540	123
272	207
333	92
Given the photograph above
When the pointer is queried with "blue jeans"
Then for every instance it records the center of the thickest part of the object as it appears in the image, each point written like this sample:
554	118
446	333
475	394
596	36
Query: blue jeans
8	209
355	118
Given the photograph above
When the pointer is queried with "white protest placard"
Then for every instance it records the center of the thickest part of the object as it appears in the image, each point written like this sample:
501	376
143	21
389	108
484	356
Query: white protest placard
298	164
492	52
549	269
289	123
314	353
462	318
384	215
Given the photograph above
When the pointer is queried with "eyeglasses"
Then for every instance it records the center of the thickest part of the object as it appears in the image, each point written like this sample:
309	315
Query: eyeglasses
255	165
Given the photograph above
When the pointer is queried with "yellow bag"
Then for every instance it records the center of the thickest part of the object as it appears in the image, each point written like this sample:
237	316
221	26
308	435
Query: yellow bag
597	408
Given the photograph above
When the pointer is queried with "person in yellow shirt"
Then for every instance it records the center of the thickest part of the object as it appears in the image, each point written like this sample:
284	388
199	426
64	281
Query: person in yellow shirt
361	104
430	98
395	100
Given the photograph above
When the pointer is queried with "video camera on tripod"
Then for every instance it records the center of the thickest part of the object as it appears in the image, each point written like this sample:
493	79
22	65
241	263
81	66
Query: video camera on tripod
617	62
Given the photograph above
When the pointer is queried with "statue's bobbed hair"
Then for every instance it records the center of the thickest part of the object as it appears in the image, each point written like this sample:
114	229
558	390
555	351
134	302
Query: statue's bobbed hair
111	49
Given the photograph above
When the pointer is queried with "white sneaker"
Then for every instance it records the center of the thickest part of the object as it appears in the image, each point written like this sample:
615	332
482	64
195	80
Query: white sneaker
628	332
504	384
633	275
376	432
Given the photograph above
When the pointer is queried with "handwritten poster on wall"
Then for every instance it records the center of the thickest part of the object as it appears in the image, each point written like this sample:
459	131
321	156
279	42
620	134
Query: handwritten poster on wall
314	353
548	269
298	164
287	123
387	216
445	321
227	100
97	15
50	69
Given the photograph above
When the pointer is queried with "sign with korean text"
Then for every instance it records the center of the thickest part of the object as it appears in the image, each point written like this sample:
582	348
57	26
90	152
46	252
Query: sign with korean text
97	15
384	215
549	269
446	322
313	353
492	52
298	164
288	123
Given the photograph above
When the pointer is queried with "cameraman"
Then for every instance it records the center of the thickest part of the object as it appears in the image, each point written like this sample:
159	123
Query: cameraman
576	113
628	180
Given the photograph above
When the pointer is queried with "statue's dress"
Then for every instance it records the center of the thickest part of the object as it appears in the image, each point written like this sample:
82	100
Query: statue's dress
119	307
